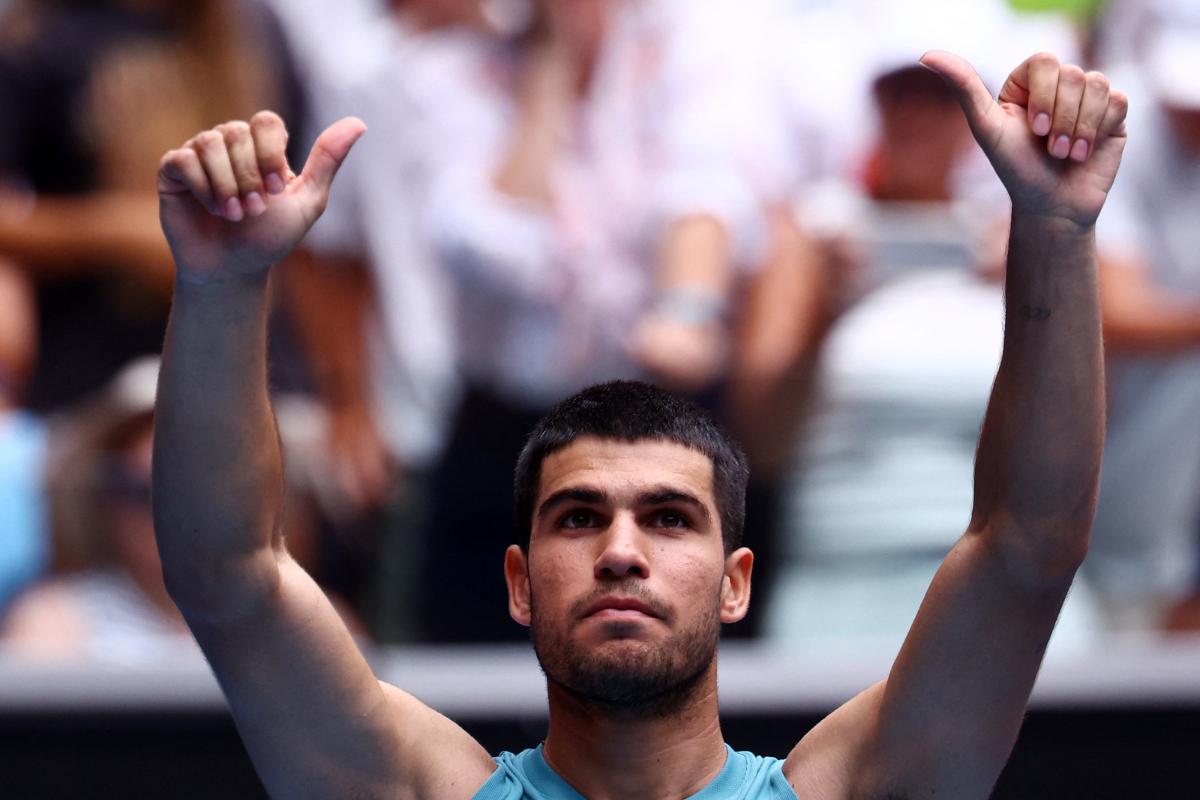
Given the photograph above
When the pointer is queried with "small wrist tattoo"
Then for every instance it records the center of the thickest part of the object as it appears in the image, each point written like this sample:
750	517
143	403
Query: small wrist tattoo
1035	313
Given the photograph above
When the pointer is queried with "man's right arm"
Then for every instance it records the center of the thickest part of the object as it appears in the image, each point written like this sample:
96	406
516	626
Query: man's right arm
314	718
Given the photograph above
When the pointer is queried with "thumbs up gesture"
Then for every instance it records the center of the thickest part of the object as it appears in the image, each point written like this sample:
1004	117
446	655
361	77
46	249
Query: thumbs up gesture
1054	136
231	206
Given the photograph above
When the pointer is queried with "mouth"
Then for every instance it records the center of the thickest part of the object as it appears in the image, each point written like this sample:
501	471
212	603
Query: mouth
620	608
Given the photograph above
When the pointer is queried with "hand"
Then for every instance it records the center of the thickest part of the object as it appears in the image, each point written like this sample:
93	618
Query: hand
686	356
579	24
1055	137
229	203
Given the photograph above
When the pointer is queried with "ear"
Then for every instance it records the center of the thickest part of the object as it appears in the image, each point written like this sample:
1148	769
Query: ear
735	587
516	575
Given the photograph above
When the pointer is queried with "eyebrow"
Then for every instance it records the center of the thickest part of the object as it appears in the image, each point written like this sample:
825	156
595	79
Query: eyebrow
658	496
580	494
662	497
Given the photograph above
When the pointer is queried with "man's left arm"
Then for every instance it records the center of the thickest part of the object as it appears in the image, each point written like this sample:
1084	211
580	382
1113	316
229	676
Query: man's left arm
945	720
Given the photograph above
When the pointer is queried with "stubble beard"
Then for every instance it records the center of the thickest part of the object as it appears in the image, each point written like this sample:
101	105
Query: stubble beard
641	681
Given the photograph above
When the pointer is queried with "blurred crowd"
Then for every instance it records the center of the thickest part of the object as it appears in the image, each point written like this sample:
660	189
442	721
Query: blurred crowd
766	205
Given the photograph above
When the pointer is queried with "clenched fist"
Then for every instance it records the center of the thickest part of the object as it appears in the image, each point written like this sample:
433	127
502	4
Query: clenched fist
231	206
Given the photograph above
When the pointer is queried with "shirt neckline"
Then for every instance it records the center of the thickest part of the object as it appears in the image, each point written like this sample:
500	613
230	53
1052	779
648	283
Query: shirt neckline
543	775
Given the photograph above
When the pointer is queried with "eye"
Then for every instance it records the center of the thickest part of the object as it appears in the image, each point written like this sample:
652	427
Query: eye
578	518
669	518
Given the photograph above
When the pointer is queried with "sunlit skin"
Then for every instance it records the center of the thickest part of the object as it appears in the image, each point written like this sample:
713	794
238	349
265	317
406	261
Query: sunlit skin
625	558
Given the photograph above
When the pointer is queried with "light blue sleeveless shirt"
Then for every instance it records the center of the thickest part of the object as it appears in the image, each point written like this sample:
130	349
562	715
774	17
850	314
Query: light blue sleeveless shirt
527	776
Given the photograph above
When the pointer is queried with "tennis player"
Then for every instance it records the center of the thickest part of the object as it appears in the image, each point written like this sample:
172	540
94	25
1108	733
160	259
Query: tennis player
630	512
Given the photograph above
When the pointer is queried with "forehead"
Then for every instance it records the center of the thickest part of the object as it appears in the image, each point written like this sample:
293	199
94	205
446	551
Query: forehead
619	467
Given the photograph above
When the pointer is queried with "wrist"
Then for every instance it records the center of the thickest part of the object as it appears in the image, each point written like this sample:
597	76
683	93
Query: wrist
238	287
691	305
1051	222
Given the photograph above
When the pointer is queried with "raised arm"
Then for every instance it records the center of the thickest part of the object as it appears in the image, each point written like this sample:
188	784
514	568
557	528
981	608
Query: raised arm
315	720
944	722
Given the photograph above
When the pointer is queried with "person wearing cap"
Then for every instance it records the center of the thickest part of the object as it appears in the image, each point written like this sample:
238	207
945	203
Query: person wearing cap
881	473
113	605
1145	546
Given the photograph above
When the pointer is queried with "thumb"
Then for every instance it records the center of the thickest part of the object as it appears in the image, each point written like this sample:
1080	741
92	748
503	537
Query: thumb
328	153
968	87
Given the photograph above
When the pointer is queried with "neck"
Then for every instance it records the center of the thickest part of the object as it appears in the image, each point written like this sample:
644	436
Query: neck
605	754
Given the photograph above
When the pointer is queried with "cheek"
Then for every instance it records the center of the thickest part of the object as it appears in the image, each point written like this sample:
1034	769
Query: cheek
552	579
694	577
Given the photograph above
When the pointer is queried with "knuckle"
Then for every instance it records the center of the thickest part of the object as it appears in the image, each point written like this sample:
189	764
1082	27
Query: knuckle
1097	81
235	131
1072	75
1044	59
1065	119
209	140
266	120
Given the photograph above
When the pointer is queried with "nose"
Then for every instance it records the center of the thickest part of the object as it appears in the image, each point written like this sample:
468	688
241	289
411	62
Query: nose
623	551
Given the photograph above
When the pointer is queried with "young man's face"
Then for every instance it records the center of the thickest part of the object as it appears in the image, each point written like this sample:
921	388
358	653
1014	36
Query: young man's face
626	580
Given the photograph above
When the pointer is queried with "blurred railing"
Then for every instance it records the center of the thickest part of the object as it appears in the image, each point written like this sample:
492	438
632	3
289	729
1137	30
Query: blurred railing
503	681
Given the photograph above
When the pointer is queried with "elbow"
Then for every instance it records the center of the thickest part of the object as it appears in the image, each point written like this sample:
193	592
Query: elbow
1043	551
213	591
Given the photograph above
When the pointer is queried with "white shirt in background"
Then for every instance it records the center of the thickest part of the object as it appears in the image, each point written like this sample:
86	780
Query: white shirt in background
547	297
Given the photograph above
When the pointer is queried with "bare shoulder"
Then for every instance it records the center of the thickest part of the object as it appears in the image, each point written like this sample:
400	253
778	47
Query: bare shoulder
828	763
445	762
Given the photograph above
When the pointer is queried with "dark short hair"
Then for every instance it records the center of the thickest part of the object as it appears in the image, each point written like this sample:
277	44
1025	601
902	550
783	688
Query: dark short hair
631	411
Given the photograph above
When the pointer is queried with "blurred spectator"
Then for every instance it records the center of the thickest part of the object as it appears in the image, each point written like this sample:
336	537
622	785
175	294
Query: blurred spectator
559	206
24	538
116	607
91	95
592	205
368	299
779	314
914	303
1144	551
108	600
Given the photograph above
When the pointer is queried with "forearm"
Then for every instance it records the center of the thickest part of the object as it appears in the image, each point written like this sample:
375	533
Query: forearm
329	302
696	255
1039	453
1139	317
62	235
525	170
218	478
776	338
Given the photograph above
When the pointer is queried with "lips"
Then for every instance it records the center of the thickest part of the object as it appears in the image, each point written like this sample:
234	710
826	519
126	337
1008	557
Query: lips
619	608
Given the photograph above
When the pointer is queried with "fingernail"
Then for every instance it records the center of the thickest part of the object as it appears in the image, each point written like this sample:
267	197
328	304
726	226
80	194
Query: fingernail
1062	147
233	210
254	204
1079	150
1041	124
274	183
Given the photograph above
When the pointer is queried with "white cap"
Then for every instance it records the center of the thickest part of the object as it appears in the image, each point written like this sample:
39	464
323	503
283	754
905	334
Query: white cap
986	33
